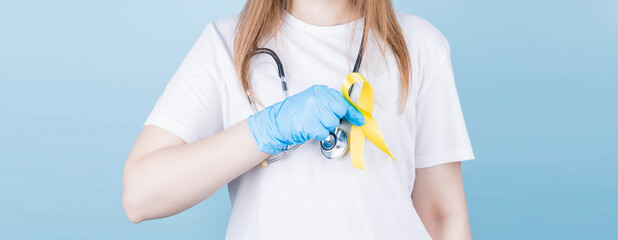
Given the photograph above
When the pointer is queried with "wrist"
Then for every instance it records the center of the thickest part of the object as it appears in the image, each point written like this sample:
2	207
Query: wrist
263	130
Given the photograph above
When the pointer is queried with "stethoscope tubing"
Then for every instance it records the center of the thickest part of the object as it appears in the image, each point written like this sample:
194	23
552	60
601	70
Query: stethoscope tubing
284	87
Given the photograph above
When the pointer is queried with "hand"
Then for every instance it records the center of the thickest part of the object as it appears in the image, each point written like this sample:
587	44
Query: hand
310	114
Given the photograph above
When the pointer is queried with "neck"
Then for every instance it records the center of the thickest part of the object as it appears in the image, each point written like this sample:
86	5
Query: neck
324	12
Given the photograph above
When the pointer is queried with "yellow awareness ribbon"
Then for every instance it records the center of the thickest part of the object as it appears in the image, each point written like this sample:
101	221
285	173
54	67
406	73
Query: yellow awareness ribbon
370	128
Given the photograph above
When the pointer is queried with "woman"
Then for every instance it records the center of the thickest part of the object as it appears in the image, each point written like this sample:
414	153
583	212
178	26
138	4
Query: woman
203	132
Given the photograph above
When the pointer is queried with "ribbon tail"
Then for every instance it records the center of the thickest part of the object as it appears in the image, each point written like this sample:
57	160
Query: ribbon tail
357	143
372	132
370	128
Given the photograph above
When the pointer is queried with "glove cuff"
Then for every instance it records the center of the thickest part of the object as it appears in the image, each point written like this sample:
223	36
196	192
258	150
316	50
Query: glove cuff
261	128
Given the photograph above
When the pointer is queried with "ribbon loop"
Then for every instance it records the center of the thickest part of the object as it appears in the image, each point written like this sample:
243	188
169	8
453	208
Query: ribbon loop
370	128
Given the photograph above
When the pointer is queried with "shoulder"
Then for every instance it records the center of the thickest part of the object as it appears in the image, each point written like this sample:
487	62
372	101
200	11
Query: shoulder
421	34
225	25
220	31
215	43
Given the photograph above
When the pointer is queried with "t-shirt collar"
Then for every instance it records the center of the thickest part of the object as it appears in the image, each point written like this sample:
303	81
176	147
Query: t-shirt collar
335	29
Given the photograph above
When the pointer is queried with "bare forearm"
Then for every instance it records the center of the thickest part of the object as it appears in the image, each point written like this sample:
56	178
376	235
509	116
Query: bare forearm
173	179
440	201
451	227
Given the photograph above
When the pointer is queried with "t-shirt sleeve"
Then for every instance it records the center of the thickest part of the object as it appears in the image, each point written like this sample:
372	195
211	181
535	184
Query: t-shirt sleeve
190	105
441	135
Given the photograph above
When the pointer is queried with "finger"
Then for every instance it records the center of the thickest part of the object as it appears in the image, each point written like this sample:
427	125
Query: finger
354	116
337	103
346	109
331	122
322	134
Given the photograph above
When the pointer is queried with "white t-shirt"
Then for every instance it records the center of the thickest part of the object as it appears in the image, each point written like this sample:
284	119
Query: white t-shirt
305	195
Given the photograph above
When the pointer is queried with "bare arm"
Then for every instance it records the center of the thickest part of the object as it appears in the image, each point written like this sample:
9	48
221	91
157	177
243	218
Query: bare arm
440	201
164	176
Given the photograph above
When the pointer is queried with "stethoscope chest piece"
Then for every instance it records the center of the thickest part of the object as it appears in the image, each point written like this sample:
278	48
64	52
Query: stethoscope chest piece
335	145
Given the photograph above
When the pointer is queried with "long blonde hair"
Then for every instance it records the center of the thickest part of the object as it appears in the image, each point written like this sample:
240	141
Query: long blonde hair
260	19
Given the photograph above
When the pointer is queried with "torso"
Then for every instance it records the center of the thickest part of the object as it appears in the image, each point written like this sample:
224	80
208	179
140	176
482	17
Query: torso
306	195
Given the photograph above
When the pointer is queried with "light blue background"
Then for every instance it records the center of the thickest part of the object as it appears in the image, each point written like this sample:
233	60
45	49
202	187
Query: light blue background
538	83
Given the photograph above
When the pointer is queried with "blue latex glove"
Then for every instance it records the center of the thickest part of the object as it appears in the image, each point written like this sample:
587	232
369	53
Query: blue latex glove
310	114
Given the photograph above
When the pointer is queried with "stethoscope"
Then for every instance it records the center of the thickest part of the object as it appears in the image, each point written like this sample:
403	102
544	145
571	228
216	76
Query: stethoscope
336	144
